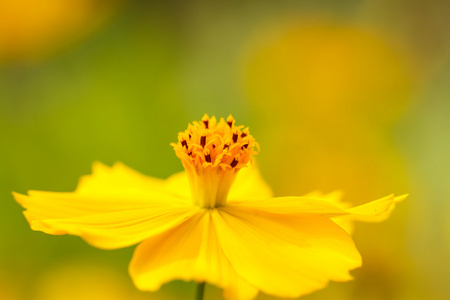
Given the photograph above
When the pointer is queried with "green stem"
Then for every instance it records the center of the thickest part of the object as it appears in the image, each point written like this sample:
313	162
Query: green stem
200	290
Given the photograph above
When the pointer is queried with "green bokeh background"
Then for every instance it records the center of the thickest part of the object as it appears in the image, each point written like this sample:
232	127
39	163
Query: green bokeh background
123	91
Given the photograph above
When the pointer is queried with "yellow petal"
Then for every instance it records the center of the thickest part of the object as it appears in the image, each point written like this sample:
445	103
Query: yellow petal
249	185
293	205
189	251
112	208
368	212
345	222
178	185
333	197
120	179
285	255
103	222
117	177
375	211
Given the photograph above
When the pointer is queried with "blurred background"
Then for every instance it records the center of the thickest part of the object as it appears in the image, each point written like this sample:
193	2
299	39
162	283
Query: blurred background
341	95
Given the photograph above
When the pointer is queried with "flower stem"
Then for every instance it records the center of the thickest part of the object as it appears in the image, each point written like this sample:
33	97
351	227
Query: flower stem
200	290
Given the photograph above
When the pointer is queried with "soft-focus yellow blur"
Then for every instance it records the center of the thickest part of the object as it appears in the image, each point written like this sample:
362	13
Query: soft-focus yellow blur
32	29
333	91
75	280
8	288
349	96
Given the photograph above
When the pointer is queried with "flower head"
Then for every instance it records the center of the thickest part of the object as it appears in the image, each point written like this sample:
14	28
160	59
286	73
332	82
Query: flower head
212	153
216	222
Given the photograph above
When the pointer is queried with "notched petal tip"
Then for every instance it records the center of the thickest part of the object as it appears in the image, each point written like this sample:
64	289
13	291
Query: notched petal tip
20	198
98	165
41	225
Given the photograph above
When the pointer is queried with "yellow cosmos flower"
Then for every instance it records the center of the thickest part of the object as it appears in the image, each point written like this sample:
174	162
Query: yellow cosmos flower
216	222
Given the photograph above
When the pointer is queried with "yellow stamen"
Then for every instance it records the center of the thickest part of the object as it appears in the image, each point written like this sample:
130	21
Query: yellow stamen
212	153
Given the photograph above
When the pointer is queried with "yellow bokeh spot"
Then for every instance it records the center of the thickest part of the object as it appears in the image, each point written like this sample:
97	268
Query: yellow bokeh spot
327	70
32	29
330	93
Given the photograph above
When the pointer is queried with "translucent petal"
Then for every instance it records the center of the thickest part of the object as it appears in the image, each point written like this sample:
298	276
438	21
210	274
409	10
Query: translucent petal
285	255
118	177
293	205
375	210
178	185
189	251
346	221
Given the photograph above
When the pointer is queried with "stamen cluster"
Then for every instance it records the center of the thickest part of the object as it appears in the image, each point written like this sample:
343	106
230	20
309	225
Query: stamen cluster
209	143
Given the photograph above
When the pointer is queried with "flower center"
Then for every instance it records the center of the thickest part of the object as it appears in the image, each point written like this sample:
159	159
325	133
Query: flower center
212	153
